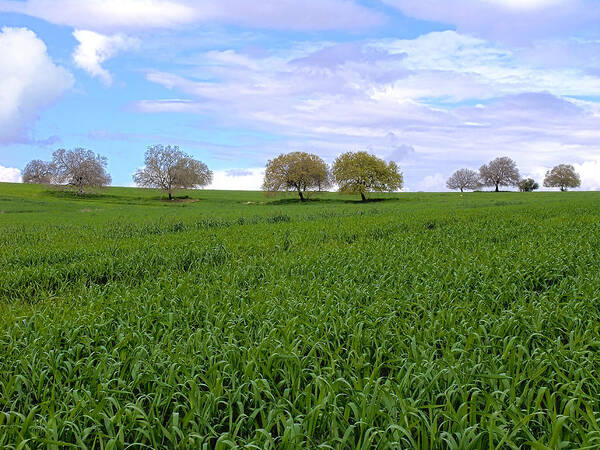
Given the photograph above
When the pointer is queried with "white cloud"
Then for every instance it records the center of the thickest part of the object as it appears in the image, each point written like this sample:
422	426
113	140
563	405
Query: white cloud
103	15
432	183
526	4
514	21
454	66
107	14
589	171
238	179
29	82
95	48
9	175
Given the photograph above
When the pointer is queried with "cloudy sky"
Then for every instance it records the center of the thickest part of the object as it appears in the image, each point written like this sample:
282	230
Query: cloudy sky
434	85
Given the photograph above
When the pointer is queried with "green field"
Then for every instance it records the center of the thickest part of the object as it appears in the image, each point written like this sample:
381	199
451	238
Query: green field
238	320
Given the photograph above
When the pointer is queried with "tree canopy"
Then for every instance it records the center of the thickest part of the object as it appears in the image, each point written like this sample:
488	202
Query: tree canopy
528	185
464	179
562	176
296	171
361	172
38	172
168	168
80	168
500	172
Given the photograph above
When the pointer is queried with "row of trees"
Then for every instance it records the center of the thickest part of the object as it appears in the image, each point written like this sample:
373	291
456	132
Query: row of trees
503	171
353	172
169	169
166	168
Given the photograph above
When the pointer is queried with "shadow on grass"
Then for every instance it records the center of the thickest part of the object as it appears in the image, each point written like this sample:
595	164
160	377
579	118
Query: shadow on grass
177	199
73	194
102	195
331	201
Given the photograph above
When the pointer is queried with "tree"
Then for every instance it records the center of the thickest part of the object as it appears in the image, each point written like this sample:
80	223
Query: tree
562	176
361	172
296	171
38	172
528	185
168	168
500	172
80	168
464	179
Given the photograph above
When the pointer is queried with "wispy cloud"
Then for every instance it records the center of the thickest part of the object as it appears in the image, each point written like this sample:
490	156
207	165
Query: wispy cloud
120	15
434	101
515	21
95	48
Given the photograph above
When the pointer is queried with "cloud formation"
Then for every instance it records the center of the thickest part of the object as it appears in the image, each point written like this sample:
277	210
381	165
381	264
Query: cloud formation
95	48
238	179
443	100
515	21
111	15
107	14
236	173
29	82
9	175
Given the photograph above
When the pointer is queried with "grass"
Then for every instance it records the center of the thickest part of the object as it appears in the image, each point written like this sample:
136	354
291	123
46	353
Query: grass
423	321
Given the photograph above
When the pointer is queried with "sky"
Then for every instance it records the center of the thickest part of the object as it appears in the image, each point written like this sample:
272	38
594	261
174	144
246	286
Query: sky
434	85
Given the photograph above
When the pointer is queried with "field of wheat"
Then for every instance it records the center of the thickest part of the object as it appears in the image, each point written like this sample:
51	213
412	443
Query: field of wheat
230	319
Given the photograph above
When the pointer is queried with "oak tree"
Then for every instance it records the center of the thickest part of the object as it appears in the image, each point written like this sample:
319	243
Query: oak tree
464	179
528	185
79	168
500	172
562	176
168	168
297	171
361	173
38	172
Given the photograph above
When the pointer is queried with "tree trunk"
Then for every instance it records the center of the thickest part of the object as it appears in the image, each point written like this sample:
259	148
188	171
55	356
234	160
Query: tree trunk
80	190
362	196
170	196
461	190
497	190
302	199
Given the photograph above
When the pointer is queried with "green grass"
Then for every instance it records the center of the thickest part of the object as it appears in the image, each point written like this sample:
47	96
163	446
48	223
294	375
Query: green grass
422	321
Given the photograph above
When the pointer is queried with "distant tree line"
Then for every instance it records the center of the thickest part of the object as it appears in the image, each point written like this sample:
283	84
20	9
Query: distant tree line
503	171
360	173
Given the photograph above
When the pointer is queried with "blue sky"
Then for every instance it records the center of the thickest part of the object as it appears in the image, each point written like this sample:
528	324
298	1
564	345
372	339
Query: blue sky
434	85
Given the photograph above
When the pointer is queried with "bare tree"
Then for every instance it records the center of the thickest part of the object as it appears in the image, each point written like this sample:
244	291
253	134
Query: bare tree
296	171
168	168
464	179
562	176
38	172
500	172
80	168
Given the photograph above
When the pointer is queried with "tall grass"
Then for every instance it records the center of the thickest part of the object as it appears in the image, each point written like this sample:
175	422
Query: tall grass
426	321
